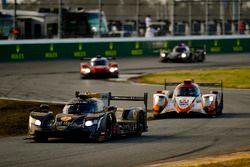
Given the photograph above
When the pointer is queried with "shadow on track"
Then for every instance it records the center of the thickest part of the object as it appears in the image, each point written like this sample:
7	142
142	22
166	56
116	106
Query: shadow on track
234	115
182	116
114	140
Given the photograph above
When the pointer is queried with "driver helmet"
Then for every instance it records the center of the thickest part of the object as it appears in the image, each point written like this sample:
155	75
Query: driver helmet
182	44
99	56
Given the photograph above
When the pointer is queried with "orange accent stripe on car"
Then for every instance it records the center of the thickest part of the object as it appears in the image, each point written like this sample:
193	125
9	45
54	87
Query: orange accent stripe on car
184	109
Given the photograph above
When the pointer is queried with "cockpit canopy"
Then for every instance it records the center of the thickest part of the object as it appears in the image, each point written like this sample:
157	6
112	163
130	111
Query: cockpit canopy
187	90
182	47
99	61
79	106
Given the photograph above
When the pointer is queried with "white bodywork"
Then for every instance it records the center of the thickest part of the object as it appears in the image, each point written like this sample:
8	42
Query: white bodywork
210	104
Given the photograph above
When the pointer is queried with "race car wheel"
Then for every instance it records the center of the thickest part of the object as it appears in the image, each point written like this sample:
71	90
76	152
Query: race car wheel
82	76
191	58
164	60
201	58
139	124
41	138
115	75
106	131
219	109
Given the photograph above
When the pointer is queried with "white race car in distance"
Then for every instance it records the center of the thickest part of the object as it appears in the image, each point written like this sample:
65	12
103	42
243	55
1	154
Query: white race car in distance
187	99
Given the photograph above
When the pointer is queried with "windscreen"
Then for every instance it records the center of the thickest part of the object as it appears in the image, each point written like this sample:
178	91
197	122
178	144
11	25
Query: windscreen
100	62
180	49
187	91
81	108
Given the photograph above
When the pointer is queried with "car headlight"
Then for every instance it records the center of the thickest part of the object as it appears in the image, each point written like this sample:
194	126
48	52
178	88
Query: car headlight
163	54
208	100
85	70
211	98
94	29
113	69
38	122
183	55
34	121
89	123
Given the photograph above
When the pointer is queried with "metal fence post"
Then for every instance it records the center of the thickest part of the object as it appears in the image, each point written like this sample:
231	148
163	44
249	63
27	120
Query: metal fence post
100	19
206	17
59	31
137	17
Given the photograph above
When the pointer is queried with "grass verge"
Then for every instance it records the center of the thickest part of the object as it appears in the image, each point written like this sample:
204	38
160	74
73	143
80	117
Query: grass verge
15	116
232	78
238	159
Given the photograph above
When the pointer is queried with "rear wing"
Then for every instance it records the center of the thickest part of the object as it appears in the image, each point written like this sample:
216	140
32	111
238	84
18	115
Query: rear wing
107	97
191	47
197	47
87	95
89	58
218	84
130	98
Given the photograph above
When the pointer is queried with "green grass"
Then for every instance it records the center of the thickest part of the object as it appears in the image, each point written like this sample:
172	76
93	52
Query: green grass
244	162
15	115
232	78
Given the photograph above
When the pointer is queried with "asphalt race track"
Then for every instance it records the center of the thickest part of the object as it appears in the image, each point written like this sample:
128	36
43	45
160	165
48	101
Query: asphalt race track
167	139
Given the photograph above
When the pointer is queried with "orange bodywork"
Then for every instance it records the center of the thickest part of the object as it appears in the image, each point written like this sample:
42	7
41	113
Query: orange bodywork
211	109
183	110
156	108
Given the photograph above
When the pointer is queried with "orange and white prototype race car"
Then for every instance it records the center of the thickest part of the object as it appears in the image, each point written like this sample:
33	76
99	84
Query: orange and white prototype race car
187	99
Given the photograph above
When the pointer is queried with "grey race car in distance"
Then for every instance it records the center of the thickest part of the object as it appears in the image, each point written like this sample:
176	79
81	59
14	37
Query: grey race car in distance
183	53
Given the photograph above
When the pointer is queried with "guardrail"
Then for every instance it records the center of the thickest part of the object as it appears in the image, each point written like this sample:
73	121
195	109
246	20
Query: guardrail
54	49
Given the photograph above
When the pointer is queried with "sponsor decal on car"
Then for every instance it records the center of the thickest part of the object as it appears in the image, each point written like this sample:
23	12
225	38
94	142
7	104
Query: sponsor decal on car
66	118
184	102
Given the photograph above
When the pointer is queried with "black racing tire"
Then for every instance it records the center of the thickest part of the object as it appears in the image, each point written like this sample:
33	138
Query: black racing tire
219	109
82	76
139	124
115	76
164	60
201	57
107	129
85	76
217	112
41	138
191	58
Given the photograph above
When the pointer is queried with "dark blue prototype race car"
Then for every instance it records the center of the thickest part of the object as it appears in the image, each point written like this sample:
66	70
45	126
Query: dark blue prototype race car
89	115
183	53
